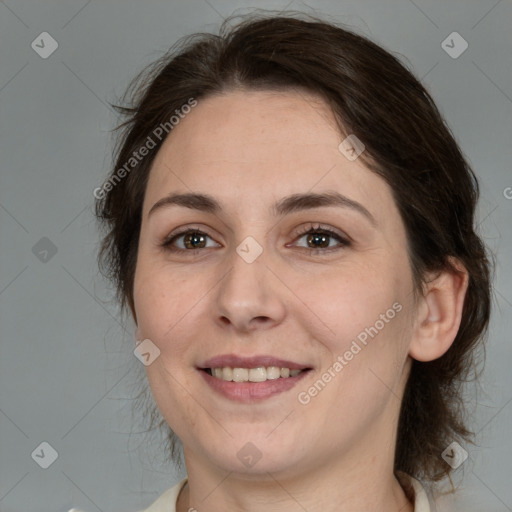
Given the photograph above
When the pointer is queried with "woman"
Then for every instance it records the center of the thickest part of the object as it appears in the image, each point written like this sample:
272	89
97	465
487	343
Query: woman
300	261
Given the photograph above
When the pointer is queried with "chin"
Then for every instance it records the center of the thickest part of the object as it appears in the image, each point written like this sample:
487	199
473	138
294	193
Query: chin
255	454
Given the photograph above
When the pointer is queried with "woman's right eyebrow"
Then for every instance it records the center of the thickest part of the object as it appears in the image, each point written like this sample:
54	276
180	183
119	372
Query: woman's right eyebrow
286	205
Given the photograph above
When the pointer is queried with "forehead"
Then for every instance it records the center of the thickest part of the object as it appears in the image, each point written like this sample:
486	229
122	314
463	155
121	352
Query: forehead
248	148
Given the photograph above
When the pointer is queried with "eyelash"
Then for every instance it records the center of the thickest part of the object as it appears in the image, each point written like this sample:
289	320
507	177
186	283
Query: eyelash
313	229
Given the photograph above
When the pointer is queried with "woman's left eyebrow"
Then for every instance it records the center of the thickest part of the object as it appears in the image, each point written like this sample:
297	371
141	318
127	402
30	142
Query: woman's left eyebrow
286	205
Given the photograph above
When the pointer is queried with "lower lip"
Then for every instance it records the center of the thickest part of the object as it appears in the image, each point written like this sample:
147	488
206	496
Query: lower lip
247	392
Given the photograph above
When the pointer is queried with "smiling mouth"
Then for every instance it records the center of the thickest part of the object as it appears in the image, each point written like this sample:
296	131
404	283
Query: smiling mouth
257	374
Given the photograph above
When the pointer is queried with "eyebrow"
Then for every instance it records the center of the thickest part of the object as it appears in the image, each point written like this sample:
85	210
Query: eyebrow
286	205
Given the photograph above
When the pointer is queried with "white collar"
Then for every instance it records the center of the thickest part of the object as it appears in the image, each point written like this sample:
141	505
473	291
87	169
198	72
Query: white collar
412	487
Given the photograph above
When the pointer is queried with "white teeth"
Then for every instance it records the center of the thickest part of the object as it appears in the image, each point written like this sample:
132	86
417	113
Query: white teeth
259	374
240	374
273	372
227	373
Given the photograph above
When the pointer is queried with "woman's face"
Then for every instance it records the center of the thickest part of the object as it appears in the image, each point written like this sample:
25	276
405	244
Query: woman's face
251	284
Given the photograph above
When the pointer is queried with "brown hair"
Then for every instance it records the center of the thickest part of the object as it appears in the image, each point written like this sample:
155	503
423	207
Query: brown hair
374	96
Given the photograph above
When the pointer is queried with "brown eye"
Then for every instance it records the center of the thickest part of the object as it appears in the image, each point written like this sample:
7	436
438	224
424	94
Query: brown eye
192	239
317	239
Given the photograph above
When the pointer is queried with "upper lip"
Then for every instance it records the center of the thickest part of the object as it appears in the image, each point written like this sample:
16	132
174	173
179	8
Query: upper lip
235	361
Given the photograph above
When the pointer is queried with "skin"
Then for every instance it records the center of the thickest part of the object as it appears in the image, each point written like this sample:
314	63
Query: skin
249	149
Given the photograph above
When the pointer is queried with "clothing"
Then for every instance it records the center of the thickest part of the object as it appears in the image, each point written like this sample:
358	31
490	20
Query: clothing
412	487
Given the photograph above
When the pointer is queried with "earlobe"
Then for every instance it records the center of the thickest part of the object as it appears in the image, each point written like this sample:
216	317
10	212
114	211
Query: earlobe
439	314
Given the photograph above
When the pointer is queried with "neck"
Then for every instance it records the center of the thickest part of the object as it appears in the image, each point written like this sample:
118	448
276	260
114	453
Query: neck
362	482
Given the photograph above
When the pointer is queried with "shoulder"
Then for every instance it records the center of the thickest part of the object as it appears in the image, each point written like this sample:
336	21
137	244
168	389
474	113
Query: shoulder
166	502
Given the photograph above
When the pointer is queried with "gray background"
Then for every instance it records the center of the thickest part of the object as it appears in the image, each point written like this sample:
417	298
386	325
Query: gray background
67	372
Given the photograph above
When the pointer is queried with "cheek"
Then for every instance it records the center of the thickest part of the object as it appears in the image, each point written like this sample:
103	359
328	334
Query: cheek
362	317
170	309
158	303
351	300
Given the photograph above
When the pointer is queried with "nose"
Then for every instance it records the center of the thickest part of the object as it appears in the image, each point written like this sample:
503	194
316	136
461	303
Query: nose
249	296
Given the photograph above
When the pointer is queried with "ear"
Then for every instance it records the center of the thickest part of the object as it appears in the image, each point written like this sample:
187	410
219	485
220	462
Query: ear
439	313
